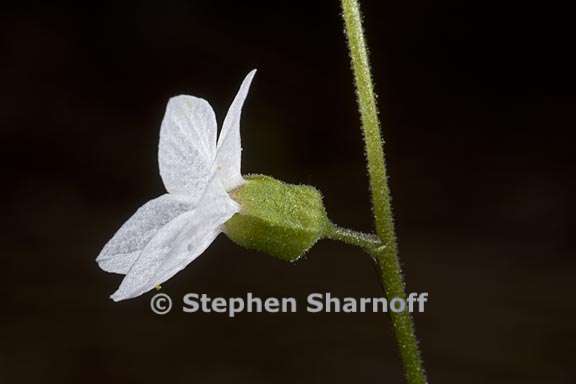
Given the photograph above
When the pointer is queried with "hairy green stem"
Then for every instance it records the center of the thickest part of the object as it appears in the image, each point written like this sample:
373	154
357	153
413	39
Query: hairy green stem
401	321
370	124
387	256
348	236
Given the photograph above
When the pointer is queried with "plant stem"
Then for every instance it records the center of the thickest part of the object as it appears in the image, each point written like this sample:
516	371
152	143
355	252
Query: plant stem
348	236
401	321
370	124
387	256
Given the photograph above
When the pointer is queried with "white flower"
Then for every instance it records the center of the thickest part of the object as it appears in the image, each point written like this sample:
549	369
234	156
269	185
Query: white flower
169	232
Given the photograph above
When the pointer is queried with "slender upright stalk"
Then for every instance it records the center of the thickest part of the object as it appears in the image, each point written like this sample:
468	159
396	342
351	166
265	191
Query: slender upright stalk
387	255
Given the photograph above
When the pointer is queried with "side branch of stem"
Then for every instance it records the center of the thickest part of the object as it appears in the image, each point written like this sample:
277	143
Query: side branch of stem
348	236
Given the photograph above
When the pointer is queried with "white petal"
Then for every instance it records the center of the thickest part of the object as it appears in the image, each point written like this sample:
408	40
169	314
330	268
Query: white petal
178	243
123	249
229	150
187	146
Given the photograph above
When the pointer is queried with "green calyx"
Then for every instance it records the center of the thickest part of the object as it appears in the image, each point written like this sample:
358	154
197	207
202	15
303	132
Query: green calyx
283	220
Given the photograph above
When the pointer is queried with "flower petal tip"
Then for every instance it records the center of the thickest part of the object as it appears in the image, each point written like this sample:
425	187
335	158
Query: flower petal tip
250	75
102	265
102	262
116	297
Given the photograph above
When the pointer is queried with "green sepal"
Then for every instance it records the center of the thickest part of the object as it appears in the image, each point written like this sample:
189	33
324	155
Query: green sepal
280	219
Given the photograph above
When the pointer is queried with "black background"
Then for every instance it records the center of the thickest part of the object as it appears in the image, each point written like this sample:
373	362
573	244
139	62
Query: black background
477	102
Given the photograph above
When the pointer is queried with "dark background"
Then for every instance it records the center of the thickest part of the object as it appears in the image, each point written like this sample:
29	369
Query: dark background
477	104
